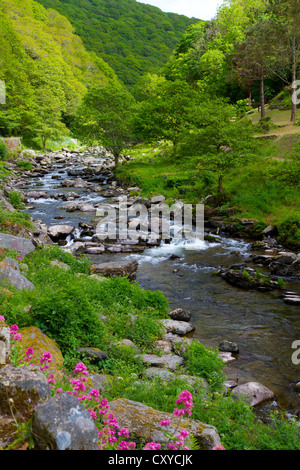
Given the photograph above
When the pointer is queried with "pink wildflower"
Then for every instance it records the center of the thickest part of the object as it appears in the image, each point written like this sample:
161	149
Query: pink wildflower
152	446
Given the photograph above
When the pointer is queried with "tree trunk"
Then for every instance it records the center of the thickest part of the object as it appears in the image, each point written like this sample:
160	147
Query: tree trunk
262	98
116	155
220	183
294	85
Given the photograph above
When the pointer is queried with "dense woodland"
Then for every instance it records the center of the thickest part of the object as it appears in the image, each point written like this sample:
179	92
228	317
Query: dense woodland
133	38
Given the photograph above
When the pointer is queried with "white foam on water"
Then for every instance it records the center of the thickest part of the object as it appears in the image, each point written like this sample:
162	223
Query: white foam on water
41	200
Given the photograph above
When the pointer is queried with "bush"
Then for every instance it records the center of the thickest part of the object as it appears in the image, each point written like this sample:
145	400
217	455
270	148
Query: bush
205	362
23	165
15	199
289	230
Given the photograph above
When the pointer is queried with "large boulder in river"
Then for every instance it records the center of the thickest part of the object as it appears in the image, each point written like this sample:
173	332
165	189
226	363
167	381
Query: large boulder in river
116	269
180	314
177	327
253	392
144	423
59	232
247	278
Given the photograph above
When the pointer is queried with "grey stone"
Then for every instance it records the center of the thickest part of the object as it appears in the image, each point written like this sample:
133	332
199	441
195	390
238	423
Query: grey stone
177	327
171	361
22	385
63	423
94	354
180	314
144	423
116	269
228	346
253	392
59	232
11	242
10	273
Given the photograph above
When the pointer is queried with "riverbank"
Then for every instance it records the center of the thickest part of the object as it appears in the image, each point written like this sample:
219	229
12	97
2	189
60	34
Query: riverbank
220	408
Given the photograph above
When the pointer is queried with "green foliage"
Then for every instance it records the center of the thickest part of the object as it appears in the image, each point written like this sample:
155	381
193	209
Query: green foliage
3	151
24	165
290	230
15	198
133	38
71	307
205	362
105	116
46	71
14	217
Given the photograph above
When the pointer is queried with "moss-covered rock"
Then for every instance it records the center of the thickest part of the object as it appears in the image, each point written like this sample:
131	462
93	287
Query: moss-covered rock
33	337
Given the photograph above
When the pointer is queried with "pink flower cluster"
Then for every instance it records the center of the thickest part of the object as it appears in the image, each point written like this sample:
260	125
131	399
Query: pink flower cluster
111	436
185	399
45	360
20	256
13	332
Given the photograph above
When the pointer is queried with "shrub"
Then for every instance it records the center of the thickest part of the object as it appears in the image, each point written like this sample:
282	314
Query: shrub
206	363
15	199
3	151
23	165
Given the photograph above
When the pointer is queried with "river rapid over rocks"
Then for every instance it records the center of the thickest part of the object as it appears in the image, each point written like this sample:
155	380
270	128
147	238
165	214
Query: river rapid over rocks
66	188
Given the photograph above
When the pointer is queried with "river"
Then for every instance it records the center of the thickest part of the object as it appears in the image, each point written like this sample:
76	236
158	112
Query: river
262	325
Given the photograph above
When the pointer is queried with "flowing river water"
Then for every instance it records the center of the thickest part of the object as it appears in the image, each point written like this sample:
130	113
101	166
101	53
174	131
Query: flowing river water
262	325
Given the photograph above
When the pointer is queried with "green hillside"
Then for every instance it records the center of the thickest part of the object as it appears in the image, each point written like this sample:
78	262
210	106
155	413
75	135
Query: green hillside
133	38
46	70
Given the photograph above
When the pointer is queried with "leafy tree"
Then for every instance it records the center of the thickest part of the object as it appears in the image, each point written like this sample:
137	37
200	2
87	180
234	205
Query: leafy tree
48	122
105	116
258	56
286	14
168	111
39	51
220	142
